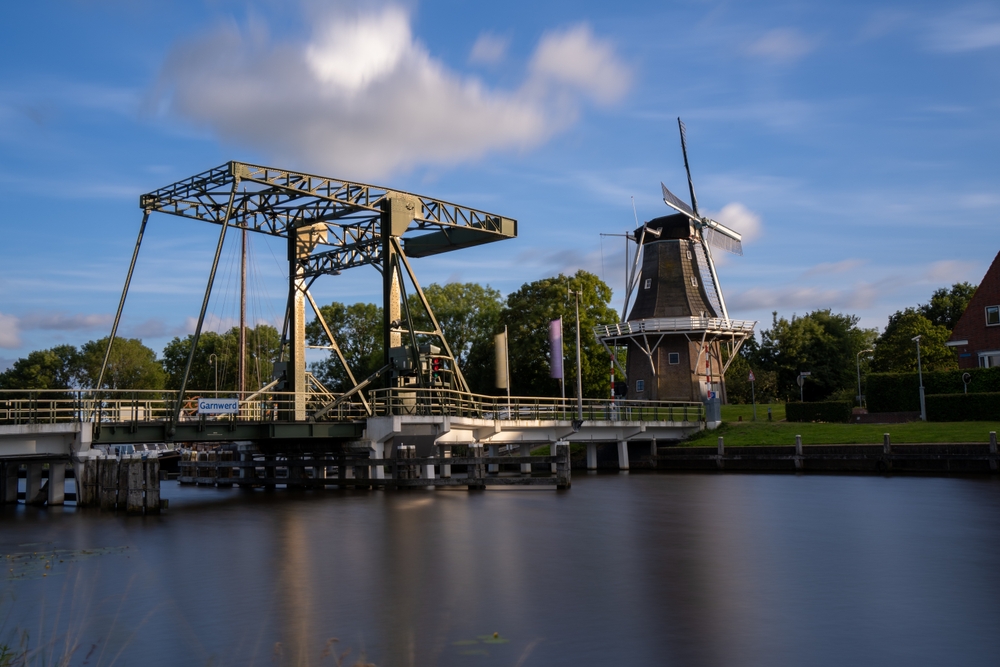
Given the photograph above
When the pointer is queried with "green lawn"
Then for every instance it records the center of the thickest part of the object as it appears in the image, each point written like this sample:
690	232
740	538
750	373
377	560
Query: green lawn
783	433
732	413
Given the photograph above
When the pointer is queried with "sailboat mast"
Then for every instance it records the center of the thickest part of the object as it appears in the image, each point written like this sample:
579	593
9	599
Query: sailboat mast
241	380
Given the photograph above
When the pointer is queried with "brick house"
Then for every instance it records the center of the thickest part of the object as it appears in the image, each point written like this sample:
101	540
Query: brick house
976	337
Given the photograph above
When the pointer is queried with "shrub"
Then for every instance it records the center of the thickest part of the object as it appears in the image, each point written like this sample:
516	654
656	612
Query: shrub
899	392
981	406
825	411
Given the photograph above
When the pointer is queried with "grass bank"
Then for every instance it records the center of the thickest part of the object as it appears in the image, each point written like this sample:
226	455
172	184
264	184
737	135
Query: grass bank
783	433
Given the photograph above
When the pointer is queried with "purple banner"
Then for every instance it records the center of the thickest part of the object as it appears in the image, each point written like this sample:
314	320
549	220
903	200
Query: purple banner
556	348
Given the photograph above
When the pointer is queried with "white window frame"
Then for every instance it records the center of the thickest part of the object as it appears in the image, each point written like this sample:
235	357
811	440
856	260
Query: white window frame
671	356
984	357
648	283
640	385
996	311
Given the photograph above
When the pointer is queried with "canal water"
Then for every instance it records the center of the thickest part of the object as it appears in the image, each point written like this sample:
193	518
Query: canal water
639	569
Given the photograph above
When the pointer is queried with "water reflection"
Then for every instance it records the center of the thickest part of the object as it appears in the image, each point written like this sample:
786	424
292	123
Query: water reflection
644	569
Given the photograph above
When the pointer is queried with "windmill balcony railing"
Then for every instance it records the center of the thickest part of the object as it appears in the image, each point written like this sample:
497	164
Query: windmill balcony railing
660	325
52	406
434	402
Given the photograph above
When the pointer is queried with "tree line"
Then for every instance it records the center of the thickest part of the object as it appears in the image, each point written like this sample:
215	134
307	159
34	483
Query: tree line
822	342
831	346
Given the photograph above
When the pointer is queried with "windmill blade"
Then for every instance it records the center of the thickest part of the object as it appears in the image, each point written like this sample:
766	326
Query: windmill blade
684	149
721	236
675	202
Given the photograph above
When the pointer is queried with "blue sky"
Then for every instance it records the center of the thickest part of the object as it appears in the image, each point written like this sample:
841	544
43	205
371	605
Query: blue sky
855	144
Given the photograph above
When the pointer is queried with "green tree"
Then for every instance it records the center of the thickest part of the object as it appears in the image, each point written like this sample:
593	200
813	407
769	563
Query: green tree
527	315
131	365
357	328
469	315
738	389
947	305
263	344
896	351
55	368
822	343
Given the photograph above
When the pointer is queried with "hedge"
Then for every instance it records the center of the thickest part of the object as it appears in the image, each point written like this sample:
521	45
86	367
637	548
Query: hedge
825	411
983	406
900	392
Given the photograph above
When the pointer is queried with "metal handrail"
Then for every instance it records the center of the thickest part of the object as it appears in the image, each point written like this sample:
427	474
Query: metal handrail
673	325
434	402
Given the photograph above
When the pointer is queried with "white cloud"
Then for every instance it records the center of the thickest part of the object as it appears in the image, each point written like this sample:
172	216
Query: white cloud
741	219
489	49
781	45
951	270
576	58
828	268
363	98
56	321
969	29
10	333
858	296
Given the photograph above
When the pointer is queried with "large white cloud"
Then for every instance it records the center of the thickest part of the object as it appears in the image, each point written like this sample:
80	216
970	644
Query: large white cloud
10	332
363	98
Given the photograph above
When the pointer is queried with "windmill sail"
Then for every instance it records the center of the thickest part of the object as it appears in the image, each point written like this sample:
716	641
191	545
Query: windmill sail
724	241
705	273
675	202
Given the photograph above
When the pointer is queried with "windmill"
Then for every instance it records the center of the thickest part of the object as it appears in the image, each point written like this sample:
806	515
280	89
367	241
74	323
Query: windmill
679	326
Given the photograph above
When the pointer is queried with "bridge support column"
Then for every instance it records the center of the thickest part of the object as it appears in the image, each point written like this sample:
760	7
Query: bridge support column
525	450
553	449
57	483
494	450
32	483
8	482
377	451
446	468
623	455
591	456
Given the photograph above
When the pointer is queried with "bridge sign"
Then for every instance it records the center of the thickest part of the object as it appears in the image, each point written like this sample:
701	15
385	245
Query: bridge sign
218	406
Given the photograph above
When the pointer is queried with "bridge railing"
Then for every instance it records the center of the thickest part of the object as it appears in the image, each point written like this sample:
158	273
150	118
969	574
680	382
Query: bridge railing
430	401
50	406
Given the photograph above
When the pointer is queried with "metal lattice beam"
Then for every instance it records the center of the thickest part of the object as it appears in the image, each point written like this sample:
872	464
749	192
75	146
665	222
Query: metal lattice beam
272	201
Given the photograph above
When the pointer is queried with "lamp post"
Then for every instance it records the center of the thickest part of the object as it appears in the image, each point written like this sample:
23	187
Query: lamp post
859	375
920	375
579	377
214	360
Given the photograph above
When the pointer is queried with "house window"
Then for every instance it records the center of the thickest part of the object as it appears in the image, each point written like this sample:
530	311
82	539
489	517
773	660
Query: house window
640	385
648	284
674	358
992	315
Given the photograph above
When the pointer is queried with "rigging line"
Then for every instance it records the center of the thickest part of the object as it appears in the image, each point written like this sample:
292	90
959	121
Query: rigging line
603	272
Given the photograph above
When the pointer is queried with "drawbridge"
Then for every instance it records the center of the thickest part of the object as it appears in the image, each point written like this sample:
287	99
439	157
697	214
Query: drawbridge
419	397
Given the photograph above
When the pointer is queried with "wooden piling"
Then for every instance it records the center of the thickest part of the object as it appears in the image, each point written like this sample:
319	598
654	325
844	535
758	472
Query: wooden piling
798	452
89	484
108	471
134	474
8	482
152	482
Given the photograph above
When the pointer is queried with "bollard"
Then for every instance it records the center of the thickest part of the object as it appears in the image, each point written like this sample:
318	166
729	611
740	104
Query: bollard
886	444
798	452
722	452
768	413
993	450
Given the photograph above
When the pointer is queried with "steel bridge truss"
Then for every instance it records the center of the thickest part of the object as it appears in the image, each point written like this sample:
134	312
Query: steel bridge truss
331	225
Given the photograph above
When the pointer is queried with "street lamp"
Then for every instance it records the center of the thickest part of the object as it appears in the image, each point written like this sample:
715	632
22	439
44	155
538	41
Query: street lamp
920	375
579	377
214	360
859	375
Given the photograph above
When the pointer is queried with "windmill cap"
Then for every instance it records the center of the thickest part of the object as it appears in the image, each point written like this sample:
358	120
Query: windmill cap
671	227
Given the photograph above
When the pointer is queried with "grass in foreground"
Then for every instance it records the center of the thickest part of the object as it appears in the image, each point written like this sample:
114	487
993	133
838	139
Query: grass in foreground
783	433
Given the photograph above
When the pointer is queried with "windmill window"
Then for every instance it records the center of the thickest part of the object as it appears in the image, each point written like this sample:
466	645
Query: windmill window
640	385
992	316
689	254
674	358
694	281
648	284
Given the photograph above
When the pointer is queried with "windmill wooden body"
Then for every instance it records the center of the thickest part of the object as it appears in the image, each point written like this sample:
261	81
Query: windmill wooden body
679	337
